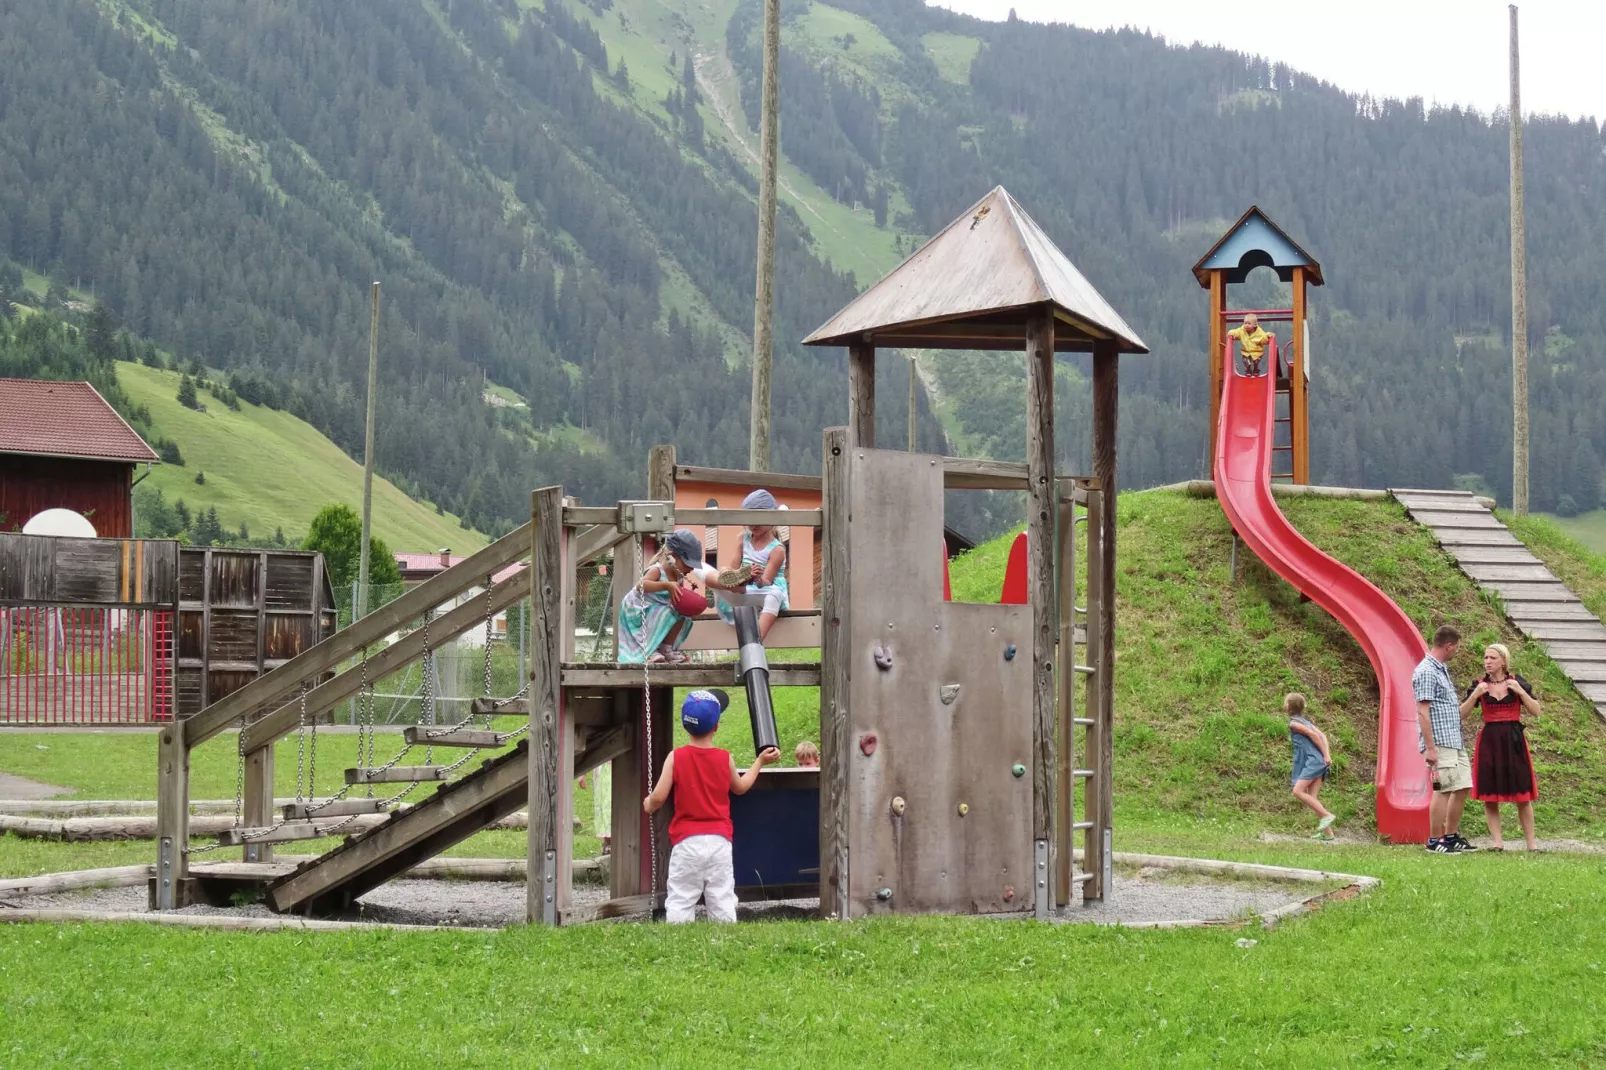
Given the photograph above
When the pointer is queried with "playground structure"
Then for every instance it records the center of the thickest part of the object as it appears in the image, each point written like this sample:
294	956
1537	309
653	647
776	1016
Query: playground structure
949	741
1244	422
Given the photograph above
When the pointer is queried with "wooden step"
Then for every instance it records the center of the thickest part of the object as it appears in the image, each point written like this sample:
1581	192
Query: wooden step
1584	672
1593	692
1563	650
1495	555
1575	631
1521	611
1415	502
425	736
1420	492
1509	573
1530	592
1453	539
396	774
502	707
1435	518
338	808
297	830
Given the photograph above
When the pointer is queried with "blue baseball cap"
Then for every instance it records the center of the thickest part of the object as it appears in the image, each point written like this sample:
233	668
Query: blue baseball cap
699	714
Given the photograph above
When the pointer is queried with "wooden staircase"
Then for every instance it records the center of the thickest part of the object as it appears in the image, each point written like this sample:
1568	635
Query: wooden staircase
1537	602
333	881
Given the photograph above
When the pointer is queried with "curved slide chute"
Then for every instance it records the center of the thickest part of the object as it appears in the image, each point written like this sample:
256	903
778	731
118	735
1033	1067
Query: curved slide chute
1390	639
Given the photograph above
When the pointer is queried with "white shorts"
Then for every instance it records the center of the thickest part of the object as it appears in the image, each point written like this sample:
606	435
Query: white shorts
764	599
700	868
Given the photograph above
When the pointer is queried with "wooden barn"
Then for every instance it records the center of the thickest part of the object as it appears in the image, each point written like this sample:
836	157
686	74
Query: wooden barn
63	447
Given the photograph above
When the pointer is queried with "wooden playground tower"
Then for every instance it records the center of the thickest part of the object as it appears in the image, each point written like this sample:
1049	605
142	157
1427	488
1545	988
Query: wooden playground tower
1252	242
950	750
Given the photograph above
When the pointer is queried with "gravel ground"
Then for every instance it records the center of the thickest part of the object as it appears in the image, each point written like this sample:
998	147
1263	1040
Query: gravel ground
20	787
1149	896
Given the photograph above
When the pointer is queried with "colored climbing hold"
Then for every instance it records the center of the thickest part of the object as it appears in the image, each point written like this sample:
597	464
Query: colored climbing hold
1018	769
1009	652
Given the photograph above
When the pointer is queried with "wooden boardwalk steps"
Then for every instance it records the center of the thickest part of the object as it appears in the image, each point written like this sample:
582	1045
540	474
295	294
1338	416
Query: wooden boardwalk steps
1539	605
455	812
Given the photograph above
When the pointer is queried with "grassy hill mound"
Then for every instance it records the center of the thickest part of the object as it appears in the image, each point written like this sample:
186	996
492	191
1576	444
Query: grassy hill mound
1202	664
269	469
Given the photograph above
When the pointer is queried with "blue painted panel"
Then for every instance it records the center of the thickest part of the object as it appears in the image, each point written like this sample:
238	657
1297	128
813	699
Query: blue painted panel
777	833
1257	243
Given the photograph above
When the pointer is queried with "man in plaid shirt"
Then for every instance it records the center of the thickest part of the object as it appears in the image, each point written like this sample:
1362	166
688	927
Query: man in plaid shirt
1438	715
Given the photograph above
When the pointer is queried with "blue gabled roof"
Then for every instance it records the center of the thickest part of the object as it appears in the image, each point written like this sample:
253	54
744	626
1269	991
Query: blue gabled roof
1255	241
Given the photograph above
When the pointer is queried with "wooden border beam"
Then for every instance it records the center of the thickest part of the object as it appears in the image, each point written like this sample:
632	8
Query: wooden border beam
1042	512
835	673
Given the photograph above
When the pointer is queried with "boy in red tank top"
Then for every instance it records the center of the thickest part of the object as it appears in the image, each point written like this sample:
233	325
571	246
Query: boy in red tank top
703	778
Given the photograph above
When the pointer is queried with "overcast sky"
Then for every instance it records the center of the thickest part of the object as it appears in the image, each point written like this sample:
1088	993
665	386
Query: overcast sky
1445	51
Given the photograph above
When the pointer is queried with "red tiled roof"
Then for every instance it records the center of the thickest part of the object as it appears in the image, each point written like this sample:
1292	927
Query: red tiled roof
425	562
51	419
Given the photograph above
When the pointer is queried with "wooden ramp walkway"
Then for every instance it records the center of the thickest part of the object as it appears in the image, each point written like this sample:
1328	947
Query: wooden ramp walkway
1535	600
336	879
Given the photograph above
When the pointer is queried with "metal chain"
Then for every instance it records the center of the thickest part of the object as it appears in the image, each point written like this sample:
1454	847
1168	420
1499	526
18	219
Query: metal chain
312	747
301	741
652	823
239	777
488	615
427	698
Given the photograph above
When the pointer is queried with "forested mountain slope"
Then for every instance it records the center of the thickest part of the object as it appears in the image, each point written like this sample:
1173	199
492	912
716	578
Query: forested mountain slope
558	198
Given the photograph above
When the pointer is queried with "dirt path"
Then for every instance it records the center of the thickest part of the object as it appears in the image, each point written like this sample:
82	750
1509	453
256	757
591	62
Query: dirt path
20	787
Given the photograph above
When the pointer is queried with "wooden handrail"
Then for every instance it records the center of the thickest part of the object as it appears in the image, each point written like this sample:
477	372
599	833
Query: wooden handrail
313	662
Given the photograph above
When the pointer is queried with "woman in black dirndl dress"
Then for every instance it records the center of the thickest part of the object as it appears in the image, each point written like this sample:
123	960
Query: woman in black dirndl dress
1502	768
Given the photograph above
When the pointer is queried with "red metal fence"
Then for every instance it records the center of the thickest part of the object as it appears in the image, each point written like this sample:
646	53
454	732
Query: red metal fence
64	665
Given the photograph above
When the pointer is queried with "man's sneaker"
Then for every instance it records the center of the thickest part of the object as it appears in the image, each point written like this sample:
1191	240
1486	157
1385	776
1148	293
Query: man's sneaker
1462	844
1442	847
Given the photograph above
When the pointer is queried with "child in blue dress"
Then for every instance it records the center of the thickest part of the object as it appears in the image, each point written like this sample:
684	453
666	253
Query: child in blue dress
764	564
1313	760
651	628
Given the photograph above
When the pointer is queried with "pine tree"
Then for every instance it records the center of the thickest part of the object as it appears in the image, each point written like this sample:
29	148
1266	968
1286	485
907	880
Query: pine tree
186	393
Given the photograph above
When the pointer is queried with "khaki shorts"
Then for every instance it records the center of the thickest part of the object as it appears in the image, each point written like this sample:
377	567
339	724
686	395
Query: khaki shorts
1454	772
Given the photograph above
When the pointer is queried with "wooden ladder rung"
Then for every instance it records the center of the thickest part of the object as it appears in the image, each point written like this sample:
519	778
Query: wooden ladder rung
339	808
301	830
396	774
425	736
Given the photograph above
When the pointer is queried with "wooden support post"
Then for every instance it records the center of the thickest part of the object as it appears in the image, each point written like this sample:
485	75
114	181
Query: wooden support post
1064	786
257	805
835	671
626	819
1101	809
551	755
1042	511
861	394
663	741
172	818
1298	402
1218	344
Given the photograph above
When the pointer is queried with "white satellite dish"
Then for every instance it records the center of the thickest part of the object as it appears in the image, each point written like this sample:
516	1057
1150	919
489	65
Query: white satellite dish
63	522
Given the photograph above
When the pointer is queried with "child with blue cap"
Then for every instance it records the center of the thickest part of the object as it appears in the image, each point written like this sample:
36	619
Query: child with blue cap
651	626
702	778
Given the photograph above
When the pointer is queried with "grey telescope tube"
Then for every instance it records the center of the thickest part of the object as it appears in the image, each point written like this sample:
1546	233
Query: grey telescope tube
755	670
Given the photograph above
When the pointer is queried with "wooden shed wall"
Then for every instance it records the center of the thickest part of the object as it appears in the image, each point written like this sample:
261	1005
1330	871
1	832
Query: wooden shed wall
103	491
40	570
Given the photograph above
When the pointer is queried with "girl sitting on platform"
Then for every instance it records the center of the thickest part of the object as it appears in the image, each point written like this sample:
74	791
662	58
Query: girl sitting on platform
654	618
760	579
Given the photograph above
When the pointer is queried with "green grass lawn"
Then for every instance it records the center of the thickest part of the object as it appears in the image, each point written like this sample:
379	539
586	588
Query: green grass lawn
1576	562
1588	528
270	469
953	54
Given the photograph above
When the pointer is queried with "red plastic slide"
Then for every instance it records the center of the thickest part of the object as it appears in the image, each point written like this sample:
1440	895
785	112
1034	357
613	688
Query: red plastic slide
1391	641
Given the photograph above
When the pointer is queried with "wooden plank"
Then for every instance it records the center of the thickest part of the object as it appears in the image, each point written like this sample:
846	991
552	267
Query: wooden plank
1593	692
625	871
1495	555
1509	573
741	477
594	542
718	674
1526	611
546	836
466	617
456	737
1422	503
172	817
605	747
1042	513
328	654
835	675
337	808
1436	518
1584	672
1581	631
795	518
1298	400
1106	390
1516	591
1215	358
861	393
1455	538
245	836
1572	650
258	800
964	473
396	774
1421	492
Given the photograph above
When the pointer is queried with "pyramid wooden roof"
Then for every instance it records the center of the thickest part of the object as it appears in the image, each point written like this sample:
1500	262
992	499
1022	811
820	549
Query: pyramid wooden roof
970	288
1255	241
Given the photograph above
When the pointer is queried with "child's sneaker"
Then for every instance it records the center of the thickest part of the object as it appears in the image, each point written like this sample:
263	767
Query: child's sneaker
1326	823
1442	847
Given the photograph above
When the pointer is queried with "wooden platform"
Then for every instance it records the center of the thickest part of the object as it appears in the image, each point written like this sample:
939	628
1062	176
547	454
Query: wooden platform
1537	602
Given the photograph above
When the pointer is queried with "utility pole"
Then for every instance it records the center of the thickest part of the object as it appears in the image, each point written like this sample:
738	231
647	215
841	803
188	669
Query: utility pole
360	610
1519	298
758	456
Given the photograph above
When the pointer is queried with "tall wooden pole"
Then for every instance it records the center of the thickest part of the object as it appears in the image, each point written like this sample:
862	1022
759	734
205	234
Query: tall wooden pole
758	457
1519	299
360	610
1042	492
912	374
